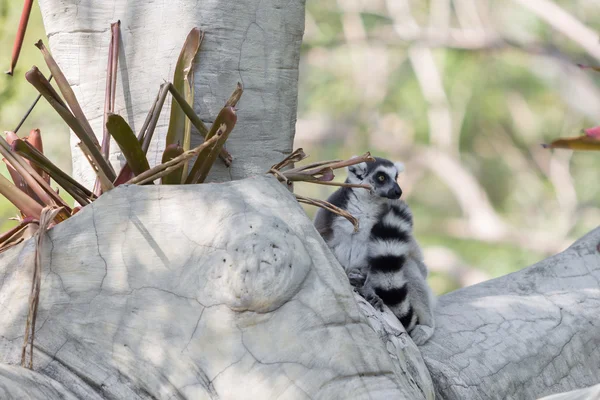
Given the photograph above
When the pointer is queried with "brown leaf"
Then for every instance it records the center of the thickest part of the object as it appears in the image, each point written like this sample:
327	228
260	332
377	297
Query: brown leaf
20	35
583	142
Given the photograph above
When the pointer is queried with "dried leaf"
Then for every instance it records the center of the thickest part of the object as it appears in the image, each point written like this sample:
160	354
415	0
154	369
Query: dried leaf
330	207
296	156
20	35
179	131
588	67
46	195
22	121
90	148
47	216
163	169
25	230
35	139
225	122
80	193
235	96
126	174
109	92
67	92
156	110
583	142
28	206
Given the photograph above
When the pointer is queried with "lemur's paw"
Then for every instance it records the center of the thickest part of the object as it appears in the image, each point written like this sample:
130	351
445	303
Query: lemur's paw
356	277
421	334
372	298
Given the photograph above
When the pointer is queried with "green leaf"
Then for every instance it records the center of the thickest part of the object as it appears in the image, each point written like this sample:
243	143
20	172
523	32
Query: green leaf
179	130
128	142
196	121
146	132
172	151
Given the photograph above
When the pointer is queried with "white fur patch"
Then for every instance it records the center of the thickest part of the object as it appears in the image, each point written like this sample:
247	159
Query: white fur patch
399	166
397	222
381	247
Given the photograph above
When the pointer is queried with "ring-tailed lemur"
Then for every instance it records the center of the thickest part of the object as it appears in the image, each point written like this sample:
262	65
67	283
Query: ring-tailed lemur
382	260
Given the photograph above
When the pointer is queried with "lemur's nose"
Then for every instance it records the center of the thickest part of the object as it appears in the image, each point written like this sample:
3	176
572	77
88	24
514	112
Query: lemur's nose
395	192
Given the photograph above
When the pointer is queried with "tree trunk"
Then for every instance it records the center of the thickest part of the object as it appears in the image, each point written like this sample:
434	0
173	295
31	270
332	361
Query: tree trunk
137	302
227	291
254	42
530	333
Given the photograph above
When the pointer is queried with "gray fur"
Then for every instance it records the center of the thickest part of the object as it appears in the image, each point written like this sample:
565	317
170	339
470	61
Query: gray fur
382	260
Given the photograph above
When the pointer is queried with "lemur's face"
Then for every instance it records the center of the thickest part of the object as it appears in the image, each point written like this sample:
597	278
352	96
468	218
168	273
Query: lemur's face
380	174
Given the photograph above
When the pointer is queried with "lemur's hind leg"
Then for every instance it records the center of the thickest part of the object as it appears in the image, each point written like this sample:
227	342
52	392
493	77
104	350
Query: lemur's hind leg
422	301
357	277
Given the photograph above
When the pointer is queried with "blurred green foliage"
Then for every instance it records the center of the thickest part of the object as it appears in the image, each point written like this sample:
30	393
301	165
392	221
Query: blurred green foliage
504	97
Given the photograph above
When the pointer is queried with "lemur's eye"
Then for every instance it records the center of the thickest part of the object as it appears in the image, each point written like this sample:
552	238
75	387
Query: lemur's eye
381	178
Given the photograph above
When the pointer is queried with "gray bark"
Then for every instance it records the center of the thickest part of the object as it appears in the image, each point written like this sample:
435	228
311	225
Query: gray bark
255	42
589	393
237	298
528	334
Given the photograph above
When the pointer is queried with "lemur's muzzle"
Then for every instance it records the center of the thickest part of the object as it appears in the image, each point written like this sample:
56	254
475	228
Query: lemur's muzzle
395	192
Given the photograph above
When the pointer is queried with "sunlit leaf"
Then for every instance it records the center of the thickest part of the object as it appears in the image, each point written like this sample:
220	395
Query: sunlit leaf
128	143
197	122
583	142
179	130
172	151
28	206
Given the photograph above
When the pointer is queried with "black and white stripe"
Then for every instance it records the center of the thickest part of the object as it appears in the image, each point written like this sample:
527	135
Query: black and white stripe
388	252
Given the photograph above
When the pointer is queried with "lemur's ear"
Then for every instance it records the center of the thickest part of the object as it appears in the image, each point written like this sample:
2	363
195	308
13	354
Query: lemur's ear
359	170
399	166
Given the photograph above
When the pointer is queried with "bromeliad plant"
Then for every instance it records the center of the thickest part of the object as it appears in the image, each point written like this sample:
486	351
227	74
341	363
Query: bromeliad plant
40	205
31	170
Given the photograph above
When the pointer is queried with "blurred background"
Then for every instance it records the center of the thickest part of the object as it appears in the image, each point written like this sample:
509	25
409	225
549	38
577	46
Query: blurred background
464	92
